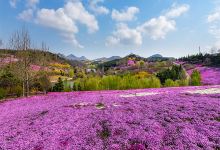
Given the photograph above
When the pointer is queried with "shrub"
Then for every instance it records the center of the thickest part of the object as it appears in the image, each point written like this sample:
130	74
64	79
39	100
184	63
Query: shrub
8	79
44	82
110	82
195	78
3	93
154	82
92	83
71	73
76	85
183	82
59	87
17	90
67	89
170	83
142	74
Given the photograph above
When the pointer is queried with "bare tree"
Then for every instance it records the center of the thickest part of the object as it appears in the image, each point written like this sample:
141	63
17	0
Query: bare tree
20	40
45	49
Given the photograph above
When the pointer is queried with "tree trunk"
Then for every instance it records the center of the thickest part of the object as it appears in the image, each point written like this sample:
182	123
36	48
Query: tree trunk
23	88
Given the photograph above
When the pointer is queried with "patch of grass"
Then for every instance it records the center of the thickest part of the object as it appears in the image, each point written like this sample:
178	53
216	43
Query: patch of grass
100	106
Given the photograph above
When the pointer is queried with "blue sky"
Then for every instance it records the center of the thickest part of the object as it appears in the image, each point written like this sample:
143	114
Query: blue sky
97	28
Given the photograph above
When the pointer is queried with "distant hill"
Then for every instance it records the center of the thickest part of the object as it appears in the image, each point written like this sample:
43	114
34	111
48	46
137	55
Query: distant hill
104	59
73	57
156	56
159	57
120	61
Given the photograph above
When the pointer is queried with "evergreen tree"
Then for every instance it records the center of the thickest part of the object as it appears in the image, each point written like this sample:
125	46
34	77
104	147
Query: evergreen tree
59	87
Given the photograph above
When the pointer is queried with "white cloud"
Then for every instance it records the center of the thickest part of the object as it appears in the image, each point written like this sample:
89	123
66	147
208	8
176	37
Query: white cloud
65	19
13	3
60	21
125	15
213	17
77	12
26	15
56	19
155	28
177	11
97	8
124	35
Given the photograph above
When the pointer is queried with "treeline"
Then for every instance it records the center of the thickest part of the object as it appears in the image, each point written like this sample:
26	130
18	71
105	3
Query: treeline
205	59
171	77
114	82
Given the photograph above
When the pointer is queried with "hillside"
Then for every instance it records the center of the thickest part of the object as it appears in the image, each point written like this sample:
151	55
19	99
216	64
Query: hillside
73	57
39	70
36	57
134	63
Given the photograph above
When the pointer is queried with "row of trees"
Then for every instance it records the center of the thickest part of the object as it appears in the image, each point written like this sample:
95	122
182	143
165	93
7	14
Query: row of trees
205	59
114	82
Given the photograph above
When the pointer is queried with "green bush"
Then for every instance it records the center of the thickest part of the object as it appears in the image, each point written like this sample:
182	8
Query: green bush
170	83
183	82
175	73
67	89
154	82
18	90
44	82
59	86
196	78
3	93
110	82
92	83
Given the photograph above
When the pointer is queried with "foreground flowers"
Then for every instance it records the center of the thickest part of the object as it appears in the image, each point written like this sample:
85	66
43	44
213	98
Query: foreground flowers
172	118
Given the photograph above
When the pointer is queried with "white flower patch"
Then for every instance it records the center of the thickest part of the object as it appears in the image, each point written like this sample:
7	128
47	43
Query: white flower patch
139	94
116	105
206	91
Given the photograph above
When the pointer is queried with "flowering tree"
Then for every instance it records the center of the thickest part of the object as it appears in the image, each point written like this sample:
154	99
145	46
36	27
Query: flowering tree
131	62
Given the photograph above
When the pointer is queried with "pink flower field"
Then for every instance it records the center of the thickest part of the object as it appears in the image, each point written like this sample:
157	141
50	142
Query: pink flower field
154	119
210	76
